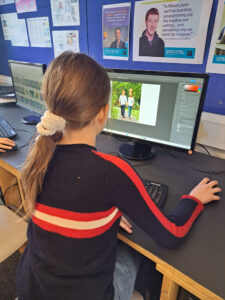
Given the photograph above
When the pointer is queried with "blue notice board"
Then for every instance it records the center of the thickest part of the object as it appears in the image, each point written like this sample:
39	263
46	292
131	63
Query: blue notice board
215	98
37	54
90	37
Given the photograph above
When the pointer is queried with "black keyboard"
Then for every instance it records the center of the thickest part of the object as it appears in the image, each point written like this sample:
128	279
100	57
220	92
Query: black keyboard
6	130
157	191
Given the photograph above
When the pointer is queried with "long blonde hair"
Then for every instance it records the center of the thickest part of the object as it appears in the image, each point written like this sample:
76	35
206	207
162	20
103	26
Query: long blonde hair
74	87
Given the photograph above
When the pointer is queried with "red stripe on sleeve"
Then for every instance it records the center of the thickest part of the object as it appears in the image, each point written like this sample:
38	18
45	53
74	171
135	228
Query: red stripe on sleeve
178	231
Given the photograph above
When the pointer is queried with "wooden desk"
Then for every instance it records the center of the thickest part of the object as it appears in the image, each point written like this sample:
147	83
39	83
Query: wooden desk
199	264
12	161
172	278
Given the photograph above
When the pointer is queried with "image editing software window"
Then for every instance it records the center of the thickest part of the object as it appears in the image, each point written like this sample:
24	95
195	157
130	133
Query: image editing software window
27	79
158	108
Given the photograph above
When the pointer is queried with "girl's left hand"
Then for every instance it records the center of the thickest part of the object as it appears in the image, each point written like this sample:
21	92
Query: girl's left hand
125	225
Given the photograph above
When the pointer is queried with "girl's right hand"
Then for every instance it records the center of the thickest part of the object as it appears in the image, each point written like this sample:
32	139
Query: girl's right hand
205	191
6	144
125	224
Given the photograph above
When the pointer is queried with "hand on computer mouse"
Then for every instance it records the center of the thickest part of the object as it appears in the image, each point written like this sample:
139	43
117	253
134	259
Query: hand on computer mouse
6	144
205	191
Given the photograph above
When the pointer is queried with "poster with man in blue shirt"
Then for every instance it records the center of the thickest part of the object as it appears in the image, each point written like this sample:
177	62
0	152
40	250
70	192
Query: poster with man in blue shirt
115	29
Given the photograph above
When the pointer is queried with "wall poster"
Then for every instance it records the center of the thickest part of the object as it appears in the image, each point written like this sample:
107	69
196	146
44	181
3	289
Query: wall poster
171	31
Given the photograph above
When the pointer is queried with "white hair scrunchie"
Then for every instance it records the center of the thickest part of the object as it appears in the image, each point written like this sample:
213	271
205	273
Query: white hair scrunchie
50	124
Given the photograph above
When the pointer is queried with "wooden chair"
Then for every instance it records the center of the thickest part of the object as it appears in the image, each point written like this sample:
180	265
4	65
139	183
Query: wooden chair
13	232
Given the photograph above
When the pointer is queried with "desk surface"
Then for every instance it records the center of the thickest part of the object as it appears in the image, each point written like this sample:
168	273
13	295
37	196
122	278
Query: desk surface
202	256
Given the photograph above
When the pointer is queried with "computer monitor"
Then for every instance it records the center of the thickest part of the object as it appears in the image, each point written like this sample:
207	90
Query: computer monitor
155	107
27	79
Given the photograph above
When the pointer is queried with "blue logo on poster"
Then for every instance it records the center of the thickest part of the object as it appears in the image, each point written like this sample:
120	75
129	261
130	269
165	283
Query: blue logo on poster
180	52
115	52
219	59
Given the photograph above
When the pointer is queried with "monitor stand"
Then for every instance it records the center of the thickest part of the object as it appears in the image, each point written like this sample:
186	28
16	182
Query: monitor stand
31	119
137	151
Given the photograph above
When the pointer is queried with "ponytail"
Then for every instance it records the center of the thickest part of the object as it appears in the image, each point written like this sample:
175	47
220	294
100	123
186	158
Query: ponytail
35	167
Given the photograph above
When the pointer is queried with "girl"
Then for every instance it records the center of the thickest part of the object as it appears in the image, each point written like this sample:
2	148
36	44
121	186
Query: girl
76	195
130	102
123	102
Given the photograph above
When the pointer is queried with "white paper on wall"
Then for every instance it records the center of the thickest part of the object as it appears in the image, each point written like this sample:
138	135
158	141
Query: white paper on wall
65	40
39	32
14	30
65	12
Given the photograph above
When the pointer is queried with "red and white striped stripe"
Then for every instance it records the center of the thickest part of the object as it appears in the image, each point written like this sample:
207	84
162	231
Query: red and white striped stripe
72	224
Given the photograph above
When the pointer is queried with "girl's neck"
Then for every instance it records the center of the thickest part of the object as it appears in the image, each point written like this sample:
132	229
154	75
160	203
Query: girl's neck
85	135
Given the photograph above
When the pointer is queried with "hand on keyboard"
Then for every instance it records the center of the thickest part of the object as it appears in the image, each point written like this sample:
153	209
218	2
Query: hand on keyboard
6	144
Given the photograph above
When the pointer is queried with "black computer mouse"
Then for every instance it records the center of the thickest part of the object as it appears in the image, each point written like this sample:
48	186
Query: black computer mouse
12	149
31	120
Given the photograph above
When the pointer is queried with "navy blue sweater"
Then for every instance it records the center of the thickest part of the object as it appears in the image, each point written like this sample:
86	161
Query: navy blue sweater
156	48
72	236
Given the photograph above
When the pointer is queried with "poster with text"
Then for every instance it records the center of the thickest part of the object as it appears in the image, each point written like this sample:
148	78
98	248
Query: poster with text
23	6
39	32
14	30
65	40
171	31
65	12
216	59
115	31
4	2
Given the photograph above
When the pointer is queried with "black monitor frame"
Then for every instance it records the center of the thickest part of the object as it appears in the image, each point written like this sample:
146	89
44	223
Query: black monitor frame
172	74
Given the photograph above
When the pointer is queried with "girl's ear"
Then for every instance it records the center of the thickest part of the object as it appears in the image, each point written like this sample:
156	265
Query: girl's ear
106	111
101	117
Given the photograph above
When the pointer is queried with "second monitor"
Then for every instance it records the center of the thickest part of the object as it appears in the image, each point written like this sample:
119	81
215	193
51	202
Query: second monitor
27	79
157	107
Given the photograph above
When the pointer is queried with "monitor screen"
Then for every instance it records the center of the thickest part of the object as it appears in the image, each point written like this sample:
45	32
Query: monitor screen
27	79
159	107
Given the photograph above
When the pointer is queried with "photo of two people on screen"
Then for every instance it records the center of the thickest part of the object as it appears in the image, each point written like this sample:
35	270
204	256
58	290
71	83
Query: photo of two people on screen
125	101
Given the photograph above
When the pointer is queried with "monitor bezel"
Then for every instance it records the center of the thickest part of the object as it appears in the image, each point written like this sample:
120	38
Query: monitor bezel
204	76
43	66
